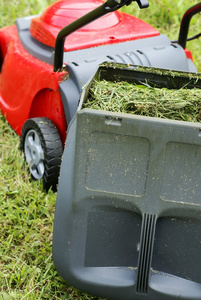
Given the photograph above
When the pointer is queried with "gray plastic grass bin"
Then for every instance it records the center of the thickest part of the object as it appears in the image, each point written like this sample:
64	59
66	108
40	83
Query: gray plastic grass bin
128	211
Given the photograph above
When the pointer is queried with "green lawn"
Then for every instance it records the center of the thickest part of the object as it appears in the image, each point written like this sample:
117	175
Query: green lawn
26	222
27	213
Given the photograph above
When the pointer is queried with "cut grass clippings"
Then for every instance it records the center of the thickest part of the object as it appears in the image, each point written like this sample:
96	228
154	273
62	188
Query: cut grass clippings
182	104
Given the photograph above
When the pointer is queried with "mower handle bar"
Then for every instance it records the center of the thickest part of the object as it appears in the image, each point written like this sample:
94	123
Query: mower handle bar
105	8
185	22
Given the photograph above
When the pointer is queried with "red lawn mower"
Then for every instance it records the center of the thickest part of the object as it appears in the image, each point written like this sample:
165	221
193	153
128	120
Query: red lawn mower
111	240
46	60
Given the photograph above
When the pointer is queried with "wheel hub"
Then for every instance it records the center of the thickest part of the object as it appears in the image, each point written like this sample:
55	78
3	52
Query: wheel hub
34	154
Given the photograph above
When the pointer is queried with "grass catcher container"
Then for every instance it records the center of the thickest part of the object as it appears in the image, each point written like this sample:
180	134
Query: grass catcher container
128	211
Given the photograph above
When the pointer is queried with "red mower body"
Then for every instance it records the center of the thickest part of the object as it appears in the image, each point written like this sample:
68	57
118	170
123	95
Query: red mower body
28	86
112	28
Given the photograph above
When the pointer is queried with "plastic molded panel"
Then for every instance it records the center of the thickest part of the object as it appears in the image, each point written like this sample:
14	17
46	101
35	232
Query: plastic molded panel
124	222
128	213
117	172
112	228
177	247
180	184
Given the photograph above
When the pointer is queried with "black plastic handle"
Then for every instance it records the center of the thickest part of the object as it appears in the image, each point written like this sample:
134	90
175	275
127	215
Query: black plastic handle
184	28
108	6
143	3
119	3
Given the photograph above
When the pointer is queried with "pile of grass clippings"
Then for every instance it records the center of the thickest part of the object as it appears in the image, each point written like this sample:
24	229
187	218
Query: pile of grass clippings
177	104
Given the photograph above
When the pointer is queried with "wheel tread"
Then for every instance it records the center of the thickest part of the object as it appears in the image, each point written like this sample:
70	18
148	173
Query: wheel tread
52	146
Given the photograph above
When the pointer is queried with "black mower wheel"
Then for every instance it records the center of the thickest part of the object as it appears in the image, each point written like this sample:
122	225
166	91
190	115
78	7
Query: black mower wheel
41	143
